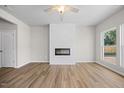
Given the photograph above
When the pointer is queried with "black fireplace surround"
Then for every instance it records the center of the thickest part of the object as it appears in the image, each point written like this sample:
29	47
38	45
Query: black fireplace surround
62	51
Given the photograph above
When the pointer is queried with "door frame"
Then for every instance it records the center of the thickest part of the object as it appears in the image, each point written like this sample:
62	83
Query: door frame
15	46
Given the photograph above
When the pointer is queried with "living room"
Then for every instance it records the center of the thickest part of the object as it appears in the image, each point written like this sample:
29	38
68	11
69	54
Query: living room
61	46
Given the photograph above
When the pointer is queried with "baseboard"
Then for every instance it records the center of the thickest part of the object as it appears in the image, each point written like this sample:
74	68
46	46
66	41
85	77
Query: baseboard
118	70
55	63
86	62
39	62
32	62
62	63
22	65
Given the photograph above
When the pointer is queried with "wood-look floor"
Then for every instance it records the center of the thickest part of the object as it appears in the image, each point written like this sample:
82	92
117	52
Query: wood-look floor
38	75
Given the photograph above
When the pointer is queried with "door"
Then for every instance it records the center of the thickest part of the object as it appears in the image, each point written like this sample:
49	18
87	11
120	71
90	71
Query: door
8	49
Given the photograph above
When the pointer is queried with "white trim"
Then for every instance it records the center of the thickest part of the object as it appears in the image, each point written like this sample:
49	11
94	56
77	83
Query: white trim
109	29
31	62
39	62
122	45
85	61
112	67
22	65
62	63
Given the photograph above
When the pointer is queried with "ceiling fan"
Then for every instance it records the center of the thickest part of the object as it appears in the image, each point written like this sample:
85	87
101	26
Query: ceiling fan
8	7
61	9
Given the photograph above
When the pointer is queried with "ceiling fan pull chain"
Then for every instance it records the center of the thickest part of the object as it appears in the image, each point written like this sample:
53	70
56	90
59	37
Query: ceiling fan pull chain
61	17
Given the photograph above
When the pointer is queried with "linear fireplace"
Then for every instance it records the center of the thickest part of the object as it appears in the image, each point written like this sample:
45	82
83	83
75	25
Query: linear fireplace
62	51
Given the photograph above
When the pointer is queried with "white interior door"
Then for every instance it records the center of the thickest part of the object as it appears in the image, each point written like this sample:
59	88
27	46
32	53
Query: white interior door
0	49
8	49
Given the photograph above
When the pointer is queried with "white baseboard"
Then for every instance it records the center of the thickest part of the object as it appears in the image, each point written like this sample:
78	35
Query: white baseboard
55	63
32	62
86	62
39	62
62	63
22	65
114	68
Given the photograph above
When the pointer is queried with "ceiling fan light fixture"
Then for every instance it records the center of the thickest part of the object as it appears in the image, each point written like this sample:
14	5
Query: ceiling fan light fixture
61	9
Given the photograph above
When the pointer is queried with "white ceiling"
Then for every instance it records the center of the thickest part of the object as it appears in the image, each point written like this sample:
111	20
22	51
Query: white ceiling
88	14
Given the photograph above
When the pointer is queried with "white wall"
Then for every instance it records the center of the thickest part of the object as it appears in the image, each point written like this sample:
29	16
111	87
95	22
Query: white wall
4	25
23	38
40	43
23	45
114	21
85	45
84	37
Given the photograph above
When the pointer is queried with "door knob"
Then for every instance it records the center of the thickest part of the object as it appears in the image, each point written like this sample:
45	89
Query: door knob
0	50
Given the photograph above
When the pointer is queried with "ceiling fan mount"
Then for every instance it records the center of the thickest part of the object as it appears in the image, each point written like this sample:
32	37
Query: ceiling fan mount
61	9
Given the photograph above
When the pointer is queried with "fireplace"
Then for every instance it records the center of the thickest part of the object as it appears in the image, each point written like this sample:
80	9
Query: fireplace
62	51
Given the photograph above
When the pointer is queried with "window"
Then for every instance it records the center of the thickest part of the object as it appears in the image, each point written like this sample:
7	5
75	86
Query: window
109	46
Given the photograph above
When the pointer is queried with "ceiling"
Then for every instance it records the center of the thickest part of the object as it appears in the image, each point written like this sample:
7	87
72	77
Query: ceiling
87	15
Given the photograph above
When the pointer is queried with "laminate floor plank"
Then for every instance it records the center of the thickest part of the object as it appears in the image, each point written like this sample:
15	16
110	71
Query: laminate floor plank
43	75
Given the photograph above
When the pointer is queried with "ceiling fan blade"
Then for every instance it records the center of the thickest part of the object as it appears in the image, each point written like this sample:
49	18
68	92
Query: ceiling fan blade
8	7
66	8
48	9
73	9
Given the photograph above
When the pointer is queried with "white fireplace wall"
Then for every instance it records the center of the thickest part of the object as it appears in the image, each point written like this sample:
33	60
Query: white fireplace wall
62	36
